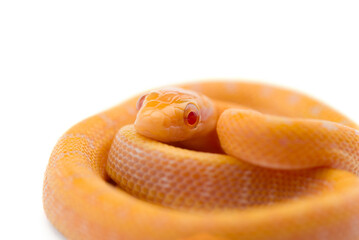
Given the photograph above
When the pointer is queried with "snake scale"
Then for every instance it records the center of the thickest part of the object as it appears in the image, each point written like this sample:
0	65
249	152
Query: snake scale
208	161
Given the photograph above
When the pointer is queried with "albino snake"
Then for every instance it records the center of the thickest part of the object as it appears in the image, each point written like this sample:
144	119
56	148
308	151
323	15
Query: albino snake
277	165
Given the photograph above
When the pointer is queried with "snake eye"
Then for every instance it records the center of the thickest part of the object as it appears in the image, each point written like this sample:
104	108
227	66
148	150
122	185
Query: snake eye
140	101
191	115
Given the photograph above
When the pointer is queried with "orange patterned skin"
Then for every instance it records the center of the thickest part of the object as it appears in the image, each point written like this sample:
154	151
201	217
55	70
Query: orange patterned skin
166	192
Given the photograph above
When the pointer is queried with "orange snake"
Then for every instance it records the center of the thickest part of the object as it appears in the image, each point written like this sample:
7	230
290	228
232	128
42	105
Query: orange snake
289	170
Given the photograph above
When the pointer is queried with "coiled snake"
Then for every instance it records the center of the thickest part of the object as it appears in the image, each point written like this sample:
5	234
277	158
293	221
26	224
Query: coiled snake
208	160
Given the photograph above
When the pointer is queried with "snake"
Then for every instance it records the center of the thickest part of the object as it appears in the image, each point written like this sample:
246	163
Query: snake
208	160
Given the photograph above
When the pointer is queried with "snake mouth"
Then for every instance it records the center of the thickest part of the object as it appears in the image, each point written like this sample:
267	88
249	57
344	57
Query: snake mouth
156	128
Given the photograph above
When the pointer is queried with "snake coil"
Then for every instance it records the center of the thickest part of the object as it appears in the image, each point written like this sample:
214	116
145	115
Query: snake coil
186	195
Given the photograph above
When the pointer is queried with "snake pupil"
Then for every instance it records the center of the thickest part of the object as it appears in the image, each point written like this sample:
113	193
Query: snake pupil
192	118
191	115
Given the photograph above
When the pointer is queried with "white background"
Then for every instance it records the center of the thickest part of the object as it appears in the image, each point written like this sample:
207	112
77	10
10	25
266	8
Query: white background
62	61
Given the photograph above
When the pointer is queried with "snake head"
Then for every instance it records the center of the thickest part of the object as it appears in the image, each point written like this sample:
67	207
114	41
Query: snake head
173	114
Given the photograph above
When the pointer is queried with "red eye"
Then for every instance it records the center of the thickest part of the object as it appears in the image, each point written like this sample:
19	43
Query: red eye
191	115
140	101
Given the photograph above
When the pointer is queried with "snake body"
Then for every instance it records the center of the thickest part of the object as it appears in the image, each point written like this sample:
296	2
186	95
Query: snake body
253	162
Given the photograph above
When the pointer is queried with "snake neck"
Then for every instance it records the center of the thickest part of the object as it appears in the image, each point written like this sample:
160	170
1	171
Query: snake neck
208	141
